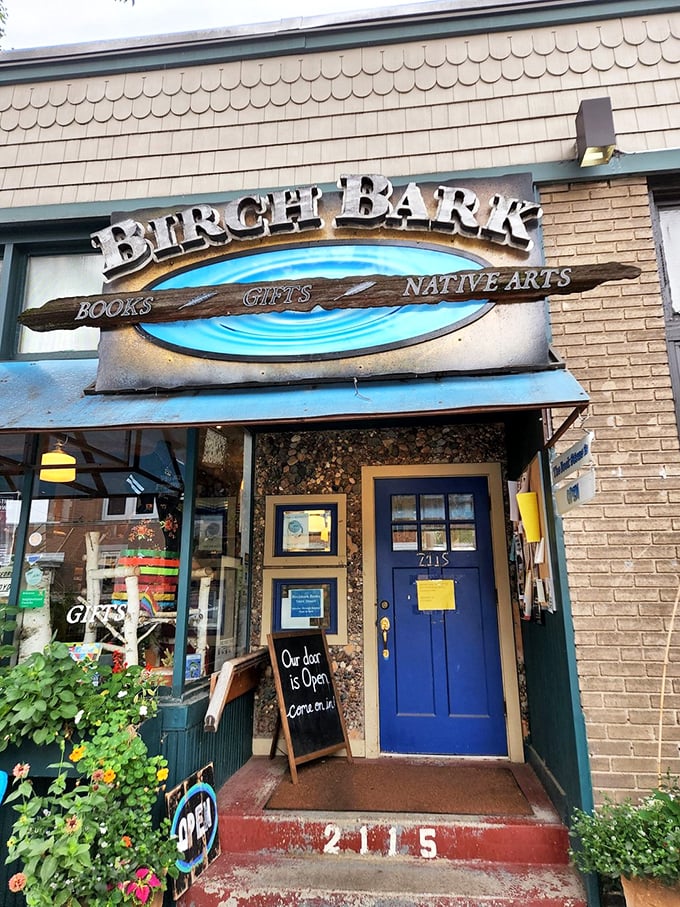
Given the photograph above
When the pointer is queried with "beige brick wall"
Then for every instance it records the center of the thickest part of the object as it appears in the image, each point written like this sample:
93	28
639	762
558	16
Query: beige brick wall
623	548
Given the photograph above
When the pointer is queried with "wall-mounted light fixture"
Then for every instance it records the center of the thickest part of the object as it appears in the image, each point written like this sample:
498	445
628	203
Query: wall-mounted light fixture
595	135
56	465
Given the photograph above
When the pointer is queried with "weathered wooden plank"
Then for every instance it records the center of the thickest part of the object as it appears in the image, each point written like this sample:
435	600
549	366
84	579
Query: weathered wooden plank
501	285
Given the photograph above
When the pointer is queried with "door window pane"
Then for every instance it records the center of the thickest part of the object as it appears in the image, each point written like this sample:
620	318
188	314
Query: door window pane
433	537
404	537
432	507
404	507
463	537
461	507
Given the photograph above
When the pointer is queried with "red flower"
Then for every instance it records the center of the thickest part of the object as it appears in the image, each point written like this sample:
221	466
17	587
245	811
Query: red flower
126	841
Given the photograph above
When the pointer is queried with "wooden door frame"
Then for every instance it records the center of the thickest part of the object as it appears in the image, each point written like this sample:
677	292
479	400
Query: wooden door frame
492	473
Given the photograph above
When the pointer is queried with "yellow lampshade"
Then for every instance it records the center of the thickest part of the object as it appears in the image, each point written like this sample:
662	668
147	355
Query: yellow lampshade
57	466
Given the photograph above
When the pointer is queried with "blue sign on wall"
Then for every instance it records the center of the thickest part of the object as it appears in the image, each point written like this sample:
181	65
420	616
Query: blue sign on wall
306	602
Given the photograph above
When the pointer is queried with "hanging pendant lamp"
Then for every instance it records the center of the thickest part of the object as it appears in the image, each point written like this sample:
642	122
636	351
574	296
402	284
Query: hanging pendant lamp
57	466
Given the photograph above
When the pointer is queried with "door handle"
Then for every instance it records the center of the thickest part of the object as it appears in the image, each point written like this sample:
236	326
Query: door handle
384	627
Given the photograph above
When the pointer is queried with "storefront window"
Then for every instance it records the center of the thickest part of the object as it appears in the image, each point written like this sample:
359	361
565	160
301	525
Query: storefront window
101	564
217	619
11	482
51	277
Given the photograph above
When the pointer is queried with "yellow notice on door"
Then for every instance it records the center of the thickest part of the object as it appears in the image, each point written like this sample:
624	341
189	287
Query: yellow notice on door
436	595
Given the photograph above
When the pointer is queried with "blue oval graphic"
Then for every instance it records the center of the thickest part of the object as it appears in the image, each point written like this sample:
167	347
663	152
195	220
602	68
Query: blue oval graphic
337	333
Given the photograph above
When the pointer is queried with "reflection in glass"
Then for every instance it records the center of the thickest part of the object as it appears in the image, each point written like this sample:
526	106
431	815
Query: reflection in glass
432	507
461	507
306	530
100	570
404	507
218	591
463	537
404	537
433	537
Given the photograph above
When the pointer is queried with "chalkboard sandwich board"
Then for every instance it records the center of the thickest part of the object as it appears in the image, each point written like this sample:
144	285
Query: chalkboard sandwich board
309	705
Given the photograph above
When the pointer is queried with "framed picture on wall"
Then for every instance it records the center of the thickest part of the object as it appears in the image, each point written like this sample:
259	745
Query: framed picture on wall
209	533
305	529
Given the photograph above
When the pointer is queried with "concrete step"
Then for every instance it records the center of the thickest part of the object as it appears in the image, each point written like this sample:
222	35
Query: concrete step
348	880
271	858
247	826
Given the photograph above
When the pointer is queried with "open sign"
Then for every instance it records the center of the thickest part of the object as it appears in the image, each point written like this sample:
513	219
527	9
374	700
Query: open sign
193	807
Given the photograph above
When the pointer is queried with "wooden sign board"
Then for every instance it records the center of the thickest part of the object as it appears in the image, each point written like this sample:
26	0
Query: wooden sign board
497	285
311	717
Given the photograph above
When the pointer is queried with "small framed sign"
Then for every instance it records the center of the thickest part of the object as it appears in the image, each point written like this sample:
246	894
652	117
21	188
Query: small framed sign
305	599
305	530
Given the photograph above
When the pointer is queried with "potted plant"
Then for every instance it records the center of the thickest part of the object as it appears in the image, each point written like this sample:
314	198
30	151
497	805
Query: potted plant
51	697
89	839
636	842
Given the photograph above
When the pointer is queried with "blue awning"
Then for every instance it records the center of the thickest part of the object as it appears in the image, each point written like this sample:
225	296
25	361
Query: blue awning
51	395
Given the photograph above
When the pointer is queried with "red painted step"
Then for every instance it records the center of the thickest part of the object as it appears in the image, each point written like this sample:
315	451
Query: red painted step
272	858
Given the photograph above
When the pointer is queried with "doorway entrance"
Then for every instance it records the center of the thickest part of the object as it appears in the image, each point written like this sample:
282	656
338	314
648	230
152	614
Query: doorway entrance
445	666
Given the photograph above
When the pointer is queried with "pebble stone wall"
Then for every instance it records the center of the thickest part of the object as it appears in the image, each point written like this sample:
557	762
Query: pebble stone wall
329	462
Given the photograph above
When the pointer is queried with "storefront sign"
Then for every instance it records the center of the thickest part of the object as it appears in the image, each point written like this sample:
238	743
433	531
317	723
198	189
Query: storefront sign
572	494
576	457
499	285
364	202
192	807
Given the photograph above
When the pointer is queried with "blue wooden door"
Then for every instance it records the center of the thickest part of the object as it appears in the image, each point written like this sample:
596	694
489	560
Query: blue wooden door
440	682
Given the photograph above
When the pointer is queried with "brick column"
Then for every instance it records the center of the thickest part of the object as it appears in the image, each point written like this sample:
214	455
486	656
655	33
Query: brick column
623	548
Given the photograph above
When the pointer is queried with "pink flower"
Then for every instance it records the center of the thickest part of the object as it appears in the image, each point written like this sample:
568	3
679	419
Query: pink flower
142	890
149	876
17	882
21	770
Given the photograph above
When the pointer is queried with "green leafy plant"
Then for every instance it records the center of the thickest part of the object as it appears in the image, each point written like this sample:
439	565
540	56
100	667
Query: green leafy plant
92	841
50	696
631	839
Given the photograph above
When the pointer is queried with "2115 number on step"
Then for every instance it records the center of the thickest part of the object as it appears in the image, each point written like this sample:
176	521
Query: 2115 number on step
371	840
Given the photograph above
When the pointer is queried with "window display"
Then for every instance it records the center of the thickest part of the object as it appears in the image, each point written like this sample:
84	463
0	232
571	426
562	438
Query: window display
102	558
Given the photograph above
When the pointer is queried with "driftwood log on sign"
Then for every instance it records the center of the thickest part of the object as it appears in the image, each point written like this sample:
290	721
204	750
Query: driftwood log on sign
501	285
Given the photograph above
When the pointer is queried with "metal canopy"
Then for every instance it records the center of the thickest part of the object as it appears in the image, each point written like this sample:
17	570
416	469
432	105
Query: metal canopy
49	395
